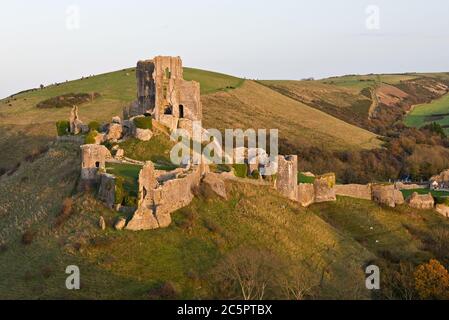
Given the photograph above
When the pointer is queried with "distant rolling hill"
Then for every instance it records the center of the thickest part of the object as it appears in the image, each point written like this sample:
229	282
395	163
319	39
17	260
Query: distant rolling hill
375	102
256	106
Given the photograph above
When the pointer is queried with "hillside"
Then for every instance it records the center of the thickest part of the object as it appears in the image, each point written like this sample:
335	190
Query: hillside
327	244
25	129
375	102
436	111
256	106
324	247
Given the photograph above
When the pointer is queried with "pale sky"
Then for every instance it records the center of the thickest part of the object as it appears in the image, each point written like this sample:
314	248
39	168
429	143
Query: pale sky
48	41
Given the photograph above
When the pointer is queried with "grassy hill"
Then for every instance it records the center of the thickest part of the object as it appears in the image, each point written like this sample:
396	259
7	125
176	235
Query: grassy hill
256	106
436	111
324	247
376	102
24	129
344	101
327	244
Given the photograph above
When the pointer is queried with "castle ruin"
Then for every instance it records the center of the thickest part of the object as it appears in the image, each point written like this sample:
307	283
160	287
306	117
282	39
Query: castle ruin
163	93
166	98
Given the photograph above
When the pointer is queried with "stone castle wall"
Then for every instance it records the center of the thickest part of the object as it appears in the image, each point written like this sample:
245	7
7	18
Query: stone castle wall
358	191
306	194
158	199
324	187
421	201
287	176
93	159
106	192
146	93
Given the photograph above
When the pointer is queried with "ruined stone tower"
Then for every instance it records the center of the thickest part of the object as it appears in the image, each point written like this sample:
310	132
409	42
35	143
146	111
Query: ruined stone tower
93	159
163	93
145	86
287	177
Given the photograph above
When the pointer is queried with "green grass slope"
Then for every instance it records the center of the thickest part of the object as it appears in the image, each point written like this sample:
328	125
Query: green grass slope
25	128
256	106
363	81
349	104
328	244
129	264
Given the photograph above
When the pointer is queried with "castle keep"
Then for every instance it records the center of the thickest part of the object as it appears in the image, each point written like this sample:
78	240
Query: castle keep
163	93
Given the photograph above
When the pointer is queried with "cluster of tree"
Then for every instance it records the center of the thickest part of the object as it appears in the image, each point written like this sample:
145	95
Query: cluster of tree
252	274
409	280
427	281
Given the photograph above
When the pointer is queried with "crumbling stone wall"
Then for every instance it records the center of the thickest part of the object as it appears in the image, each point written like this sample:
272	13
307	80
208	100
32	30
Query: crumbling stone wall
398	197
421	201
403	186
306	194
146	90
443	210
189	100
76	125
384	195
324	187
158	199
167	71
144	218
93	159
388	195
287	176
174	96
106	192
358	191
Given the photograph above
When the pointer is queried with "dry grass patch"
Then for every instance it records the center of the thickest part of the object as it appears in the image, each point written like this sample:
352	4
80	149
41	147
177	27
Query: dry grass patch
256	106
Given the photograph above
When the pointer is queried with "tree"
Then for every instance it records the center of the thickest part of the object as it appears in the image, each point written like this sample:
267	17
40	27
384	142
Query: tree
432	281
297	286
398	282
248	274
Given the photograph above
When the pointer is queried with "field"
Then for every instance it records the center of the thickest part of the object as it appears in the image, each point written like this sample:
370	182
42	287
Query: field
349	103
436	111
363	81
129	173
254	105
156	150
228	102
436	193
